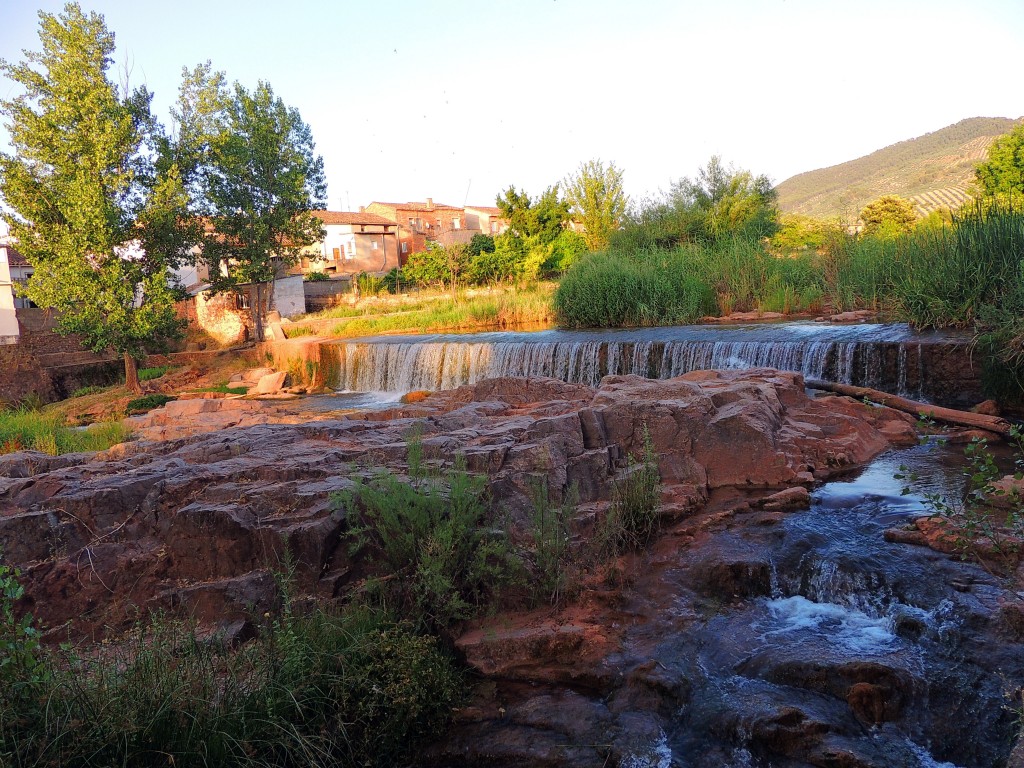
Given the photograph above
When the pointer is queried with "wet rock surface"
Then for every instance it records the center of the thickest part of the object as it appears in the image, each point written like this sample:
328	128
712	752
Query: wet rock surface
769	625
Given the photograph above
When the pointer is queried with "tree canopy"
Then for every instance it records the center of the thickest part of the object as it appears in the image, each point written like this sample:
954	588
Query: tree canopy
540	220
1002	174
888	217
98	206
596	197
261	183
720	203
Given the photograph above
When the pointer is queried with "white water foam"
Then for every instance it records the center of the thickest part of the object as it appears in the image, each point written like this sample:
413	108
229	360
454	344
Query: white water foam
839	625
657	755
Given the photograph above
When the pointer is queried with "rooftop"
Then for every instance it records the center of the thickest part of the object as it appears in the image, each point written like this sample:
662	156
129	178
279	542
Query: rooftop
351	217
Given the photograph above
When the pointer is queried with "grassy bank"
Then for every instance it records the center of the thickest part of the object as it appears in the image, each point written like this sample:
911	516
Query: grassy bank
968	275
47	432
431	313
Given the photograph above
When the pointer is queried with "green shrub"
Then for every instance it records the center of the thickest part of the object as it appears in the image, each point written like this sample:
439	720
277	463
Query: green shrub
632	519
146	403
370	284
148	374
553	558
92	389
433	533
316	277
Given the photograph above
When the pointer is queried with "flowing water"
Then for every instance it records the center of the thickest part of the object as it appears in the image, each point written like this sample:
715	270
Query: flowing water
843	606
889	357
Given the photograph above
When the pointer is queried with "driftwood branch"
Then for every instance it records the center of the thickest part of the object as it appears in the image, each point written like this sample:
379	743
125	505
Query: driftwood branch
945	415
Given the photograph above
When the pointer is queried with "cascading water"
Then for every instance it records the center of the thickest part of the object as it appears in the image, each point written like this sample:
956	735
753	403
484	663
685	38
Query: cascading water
888	357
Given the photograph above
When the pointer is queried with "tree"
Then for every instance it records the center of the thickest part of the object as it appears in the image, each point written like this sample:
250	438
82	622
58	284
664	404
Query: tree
261	183
728	201
538	222
595	195
888	217
98	207
1003	173
722	202
439	264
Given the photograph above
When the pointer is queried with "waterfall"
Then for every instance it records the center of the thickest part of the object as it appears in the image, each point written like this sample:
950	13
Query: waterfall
873	356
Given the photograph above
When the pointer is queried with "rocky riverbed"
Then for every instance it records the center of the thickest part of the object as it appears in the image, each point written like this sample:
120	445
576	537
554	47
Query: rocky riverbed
770	624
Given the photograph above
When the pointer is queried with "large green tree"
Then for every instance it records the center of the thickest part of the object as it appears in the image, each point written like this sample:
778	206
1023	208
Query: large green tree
596	197
538	221
728	201
261	182
888	217
1002	174
97	208
721	202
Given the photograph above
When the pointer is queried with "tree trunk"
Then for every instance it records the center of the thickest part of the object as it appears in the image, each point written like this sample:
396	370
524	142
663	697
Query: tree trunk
913	407
131	374
257	317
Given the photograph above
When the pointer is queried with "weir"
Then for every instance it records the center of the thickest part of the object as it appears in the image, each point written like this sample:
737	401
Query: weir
933	366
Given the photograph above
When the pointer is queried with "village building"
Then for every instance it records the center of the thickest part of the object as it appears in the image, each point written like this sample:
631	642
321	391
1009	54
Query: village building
354	242
485	219
419	222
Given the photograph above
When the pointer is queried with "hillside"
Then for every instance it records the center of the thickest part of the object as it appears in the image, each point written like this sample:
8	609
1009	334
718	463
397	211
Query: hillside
932	170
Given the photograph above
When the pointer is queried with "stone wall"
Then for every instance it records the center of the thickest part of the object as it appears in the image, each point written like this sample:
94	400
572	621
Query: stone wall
326	293
48	365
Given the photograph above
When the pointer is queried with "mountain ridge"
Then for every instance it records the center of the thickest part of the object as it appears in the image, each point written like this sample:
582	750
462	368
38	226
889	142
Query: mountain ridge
932	170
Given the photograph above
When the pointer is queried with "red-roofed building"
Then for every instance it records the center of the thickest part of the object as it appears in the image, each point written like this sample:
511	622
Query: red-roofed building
354	242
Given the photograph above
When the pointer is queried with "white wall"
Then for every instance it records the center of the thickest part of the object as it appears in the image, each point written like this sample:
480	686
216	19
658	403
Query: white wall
289	296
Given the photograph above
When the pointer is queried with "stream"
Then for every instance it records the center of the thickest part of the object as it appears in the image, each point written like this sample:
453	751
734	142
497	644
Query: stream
808	642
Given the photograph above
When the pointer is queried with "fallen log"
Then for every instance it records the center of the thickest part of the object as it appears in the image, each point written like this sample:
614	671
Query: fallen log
945	415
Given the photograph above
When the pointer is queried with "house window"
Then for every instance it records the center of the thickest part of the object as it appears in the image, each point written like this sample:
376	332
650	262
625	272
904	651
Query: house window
456	224
375	245
405	246
337	253
350	249
494	227
242	300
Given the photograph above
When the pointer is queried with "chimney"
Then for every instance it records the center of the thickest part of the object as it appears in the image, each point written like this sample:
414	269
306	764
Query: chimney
362	209
430	203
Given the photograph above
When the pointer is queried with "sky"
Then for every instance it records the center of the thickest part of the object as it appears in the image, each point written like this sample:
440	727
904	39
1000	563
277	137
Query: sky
458	100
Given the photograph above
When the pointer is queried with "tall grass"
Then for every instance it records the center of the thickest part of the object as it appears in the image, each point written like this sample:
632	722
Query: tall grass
315	688
964	275
658	286
648	288
32	430
510	309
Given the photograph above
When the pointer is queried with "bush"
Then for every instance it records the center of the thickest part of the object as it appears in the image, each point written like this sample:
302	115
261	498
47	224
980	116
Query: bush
370	284
632	519
148	374
433	534
316	277
553	559
92	389
146	403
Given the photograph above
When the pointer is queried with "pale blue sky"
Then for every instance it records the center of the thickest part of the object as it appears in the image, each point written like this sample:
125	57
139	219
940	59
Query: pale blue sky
414	99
